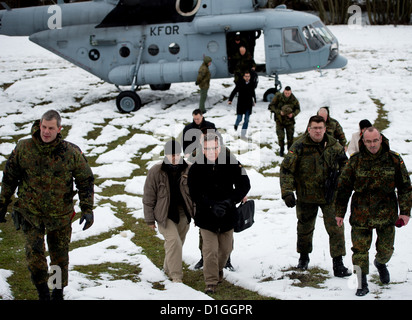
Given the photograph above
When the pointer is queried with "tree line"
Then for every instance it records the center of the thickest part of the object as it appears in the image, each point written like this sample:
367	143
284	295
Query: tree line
379	12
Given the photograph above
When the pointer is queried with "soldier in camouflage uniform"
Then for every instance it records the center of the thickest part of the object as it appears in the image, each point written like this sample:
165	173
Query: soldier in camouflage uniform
333	127
286	107
374	173
305	169
203	81
43	168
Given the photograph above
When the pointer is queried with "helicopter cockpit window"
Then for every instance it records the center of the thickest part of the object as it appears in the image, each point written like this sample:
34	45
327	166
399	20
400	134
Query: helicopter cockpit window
153	50
312	37
324	32
292	41
174	48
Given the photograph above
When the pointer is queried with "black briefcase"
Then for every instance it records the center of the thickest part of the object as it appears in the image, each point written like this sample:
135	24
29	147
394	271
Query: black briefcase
245	213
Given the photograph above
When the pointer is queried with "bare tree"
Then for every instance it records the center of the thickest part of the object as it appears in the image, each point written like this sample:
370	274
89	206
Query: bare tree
389	11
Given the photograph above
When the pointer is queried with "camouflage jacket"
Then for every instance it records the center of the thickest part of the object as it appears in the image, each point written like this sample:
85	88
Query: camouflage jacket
204	75
44	175
334	129
305	168
276	106
374	179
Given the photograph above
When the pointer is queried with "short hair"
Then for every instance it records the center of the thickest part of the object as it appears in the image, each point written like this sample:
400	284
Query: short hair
196	112
287	88
316	119
210	136
371	129
364	124
50	115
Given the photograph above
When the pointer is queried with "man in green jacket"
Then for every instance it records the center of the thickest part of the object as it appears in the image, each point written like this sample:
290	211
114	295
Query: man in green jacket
286	107
43	168
374	173
306	168
203	81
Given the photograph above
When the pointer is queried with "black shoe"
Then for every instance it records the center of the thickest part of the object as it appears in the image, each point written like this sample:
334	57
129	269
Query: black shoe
339	270
43	291
363	290
303	261
235	126
282	152
229	265
57	294
199	265
383	272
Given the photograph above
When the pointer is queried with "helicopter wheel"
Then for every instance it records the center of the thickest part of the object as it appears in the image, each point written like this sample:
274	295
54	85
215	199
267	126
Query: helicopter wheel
128	101
269	94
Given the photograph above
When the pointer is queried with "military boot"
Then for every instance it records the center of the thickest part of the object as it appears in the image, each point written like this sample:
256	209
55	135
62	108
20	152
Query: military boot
303	261
199	264
383	272
43	291
282	151
363	290
57	294
339	270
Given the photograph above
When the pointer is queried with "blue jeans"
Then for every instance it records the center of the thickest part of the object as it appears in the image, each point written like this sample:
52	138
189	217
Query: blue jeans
245	123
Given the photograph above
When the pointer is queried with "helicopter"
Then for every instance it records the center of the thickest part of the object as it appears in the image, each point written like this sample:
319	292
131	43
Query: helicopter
159	42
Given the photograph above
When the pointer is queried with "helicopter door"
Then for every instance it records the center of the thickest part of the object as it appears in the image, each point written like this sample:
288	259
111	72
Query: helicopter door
273	51
295	52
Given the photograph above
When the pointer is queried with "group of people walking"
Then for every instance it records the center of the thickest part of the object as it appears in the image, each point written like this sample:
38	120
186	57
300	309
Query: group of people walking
315	173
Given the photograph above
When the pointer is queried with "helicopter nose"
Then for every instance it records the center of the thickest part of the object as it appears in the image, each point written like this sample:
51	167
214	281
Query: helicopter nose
337	63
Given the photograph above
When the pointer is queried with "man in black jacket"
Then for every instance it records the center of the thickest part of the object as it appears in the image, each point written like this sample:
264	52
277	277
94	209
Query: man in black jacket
217	181
193	131
245	102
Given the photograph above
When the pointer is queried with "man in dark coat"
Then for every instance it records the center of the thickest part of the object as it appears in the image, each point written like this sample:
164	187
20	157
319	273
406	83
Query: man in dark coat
216	182
193	131
245	101
374	173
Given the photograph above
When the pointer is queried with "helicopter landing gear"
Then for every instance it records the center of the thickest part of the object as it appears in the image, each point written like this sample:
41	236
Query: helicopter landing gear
128	101
270	93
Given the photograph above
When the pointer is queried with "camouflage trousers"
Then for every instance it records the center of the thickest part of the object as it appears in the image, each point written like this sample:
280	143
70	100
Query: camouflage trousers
58	242
306	214
361	243
280	132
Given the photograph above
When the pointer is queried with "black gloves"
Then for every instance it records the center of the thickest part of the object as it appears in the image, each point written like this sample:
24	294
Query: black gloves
89	220
290	200
220	208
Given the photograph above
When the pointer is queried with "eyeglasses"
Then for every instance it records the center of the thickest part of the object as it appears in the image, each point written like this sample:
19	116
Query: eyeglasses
210	148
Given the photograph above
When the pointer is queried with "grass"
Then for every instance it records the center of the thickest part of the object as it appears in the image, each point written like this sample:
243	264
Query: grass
12	243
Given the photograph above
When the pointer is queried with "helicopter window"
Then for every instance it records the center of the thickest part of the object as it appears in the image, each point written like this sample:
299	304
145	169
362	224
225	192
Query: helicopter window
312	37
326	35
153	50
187	7
174	48
124	52
293	41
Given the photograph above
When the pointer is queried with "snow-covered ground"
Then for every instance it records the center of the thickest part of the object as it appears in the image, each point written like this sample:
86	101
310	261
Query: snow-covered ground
33	80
